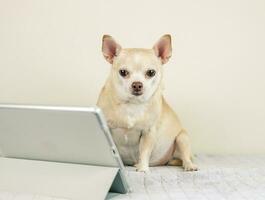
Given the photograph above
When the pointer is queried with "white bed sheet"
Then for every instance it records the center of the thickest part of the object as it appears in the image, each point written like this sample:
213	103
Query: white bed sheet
219	177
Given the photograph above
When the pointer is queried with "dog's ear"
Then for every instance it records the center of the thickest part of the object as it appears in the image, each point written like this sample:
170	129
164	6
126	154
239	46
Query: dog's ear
110	48
163	48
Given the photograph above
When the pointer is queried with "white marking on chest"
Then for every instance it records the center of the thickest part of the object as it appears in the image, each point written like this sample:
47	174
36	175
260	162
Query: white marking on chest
133	112
127	140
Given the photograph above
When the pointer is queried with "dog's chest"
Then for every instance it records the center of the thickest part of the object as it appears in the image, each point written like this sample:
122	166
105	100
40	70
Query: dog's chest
127	142
134	114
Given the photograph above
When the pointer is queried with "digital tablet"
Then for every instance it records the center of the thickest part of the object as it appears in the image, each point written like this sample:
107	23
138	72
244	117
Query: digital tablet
77	135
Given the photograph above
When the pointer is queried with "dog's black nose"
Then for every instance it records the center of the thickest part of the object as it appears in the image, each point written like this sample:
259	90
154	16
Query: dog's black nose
137	86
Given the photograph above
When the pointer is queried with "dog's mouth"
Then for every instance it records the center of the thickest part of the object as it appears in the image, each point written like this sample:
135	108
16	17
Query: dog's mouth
137	93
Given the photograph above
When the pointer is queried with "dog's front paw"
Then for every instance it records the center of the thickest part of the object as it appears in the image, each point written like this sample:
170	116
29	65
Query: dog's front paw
111	124
189	166
141	167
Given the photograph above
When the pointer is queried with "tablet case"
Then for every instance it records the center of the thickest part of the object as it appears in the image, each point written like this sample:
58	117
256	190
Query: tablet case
61	180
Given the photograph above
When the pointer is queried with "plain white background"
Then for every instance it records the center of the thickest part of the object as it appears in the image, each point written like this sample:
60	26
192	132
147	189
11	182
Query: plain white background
50	53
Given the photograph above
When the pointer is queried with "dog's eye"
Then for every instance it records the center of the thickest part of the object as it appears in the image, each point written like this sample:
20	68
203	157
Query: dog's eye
150	73
124	72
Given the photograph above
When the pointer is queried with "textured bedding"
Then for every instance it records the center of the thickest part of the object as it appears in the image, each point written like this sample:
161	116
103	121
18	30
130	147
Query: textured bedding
219	177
